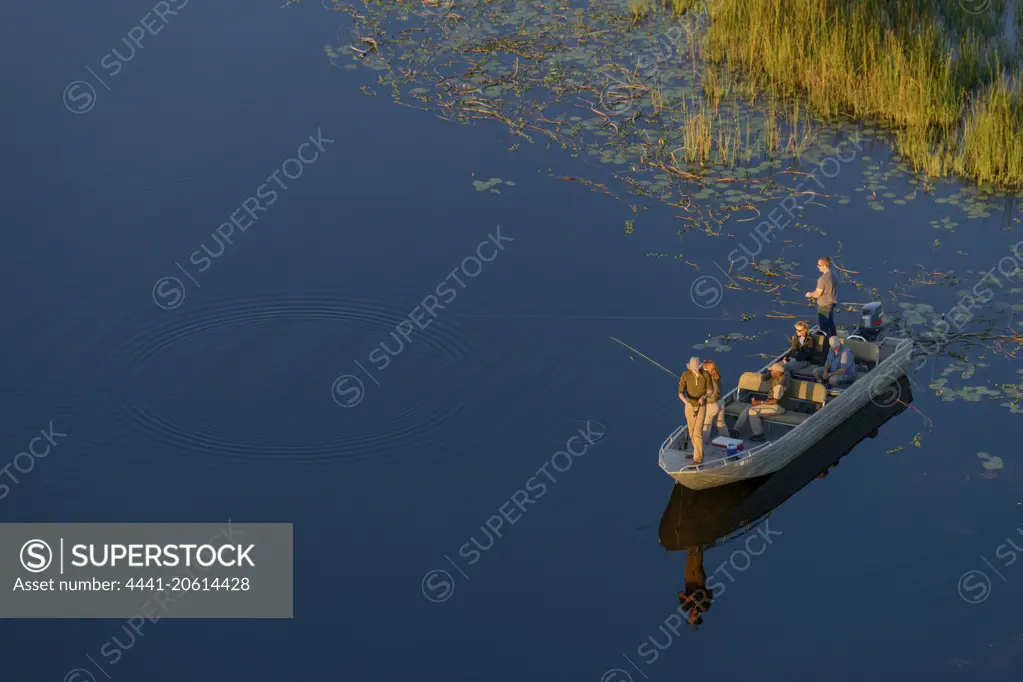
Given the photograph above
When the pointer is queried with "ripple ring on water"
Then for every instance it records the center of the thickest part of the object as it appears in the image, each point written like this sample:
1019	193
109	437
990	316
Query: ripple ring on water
128	400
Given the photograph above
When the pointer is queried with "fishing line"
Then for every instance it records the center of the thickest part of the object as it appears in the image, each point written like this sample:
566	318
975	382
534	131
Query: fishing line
645	357
584	317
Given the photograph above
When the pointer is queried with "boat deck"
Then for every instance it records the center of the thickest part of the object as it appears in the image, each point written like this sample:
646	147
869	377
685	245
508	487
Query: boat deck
682	453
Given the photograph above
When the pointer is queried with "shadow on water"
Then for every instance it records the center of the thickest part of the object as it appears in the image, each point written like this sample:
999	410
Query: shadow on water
702	518
695	520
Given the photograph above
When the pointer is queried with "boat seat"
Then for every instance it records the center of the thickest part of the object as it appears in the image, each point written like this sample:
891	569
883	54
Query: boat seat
806	392
821	344
865	352
805	372
790	418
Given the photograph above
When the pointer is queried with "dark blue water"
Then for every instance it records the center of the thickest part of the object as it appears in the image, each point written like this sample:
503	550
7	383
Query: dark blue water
222	407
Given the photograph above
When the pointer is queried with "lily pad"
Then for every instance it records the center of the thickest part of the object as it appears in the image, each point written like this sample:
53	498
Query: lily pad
990	462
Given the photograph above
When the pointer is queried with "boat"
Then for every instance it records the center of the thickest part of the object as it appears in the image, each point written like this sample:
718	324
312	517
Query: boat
696	519
812	410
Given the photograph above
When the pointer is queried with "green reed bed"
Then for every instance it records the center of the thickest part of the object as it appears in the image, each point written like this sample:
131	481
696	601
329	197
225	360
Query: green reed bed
991	147
930	68
641	9
710	135
680	7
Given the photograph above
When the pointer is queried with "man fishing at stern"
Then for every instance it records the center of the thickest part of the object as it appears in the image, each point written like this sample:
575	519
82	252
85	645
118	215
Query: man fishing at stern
826	296
693	389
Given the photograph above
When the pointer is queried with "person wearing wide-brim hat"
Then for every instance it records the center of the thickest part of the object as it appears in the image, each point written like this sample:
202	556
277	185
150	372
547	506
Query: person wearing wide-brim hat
762	407
694	387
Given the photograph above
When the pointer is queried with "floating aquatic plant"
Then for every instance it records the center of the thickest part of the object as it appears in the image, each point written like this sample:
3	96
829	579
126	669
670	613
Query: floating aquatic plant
990	462
491	184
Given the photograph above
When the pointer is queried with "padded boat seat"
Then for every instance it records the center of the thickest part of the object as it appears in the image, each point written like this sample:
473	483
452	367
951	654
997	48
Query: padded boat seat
820	342
807	391
792	418
865	352
753	381
799	390
804	372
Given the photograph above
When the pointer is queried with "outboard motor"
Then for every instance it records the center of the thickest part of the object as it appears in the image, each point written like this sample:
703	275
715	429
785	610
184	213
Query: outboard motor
871	321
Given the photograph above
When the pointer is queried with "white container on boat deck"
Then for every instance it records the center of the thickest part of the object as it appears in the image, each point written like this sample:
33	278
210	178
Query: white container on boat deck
732	446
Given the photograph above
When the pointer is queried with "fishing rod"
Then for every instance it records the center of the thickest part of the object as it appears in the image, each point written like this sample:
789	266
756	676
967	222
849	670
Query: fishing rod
645	357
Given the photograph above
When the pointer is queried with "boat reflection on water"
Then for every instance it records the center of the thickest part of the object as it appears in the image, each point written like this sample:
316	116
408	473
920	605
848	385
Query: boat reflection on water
696	520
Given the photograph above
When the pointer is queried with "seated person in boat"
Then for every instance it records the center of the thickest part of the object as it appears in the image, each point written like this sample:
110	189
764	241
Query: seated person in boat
802	348
840	368
779	383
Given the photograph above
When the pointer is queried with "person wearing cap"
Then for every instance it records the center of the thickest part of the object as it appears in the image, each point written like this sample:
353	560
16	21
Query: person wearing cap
840	367
694	387
802	348
778	383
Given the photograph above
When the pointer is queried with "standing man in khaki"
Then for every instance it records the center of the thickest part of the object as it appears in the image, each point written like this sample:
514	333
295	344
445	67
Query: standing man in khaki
693	389
826	295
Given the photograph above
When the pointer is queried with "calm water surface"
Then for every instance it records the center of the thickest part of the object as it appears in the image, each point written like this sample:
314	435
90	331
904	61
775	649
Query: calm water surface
226	406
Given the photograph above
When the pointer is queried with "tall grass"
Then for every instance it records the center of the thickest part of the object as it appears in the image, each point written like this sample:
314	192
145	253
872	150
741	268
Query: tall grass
923	66
842	56
710	136
680	7
697	132
991	148
640	10
772	134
